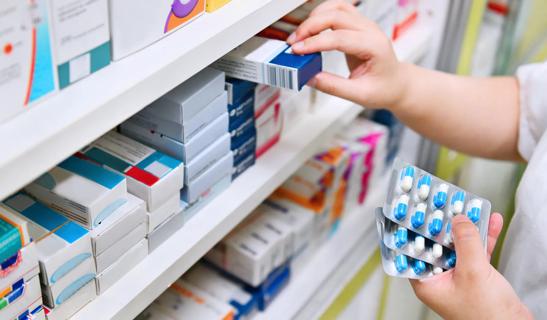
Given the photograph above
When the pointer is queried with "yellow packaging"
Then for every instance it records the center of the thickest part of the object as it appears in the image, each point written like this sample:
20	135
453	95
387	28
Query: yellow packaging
214	5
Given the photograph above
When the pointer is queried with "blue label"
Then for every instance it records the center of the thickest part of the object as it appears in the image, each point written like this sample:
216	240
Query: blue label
93	172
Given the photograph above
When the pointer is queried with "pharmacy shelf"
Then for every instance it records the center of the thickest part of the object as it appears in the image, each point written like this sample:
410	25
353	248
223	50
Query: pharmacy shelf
136	290
40	138
315	285
413	45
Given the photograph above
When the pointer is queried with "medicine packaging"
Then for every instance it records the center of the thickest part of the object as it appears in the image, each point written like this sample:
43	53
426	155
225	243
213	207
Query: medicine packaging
269	126
136	24
122	245
14	234
62	245
196	187
244	148
270	288
165	230
207	158
238	91
191	209
18	297
163	213
243	165
418	215
27	59
81	38
22	267
81	190
35	311
74	303
270	62
240	113
213	5
151	175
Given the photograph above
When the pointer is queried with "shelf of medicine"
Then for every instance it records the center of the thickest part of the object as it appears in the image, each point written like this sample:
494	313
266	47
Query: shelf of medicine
315	285
40	138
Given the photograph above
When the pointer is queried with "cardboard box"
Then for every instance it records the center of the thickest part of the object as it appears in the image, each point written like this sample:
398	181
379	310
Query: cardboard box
61	244
208	178
73	304
35	311
242	133
191	209
213	5
182	132
186	152
81	190
238	91
269	126
243	165
122	266
135	24
222	288
120	223
265	97
270	288
270	62
24	266
14	234
241	111
165	231
184	301
126	242
169	208
189	98
245	146
23	297
207	158
28	73
151	175
81	38
58	293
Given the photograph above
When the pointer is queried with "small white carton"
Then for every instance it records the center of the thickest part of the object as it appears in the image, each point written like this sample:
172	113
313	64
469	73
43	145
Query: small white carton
14	235
167	210
164	231
20	297
151	175
79	299
81	190
208	178
25	267
58	293
112	254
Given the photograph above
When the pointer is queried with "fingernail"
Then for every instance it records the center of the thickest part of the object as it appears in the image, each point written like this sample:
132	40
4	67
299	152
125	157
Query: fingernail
291	38
298	46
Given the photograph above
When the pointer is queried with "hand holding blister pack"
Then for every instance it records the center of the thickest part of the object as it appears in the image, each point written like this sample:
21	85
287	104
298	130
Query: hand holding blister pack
415	223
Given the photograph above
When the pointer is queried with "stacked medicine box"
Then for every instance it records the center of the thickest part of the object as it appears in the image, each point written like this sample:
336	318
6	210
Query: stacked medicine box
191	123
20	294
152	176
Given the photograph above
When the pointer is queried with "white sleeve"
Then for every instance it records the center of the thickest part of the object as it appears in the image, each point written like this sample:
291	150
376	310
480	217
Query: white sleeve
533	106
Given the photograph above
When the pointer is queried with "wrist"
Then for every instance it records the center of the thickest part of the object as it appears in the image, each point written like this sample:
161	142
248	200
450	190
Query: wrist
403	87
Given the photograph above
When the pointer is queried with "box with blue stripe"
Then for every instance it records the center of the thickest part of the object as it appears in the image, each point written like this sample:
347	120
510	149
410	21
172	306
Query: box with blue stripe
81	190
63	248
270	62
19	298
151	175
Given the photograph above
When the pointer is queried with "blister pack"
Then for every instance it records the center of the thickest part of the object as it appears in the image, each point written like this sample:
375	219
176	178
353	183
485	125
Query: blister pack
416	221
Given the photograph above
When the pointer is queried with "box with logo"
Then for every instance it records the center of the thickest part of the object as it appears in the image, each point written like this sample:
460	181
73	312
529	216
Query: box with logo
207	179
18	297
135	24
14	235
243	165
81	190
244	147
151	175
245	130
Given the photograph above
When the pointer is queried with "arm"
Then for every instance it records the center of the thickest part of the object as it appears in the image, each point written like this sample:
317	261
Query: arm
472	115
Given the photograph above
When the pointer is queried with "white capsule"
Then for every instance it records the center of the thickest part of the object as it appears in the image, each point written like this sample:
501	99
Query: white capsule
437	251
424	185
407	178
437	270
419	244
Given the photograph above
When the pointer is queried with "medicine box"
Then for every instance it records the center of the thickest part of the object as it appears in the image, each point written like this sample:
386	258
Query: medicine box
269	126
81	38
165	231
136	24
184	301
207	158
111	255
246	146
34	311
270	288
61	244
186	152
241	112
189	98
217	285
243	165
213	5
182	132
73	304
168	209
265	97
270	62
151	175
207	179
24	267
238	91
28	73
18	297
14	234
243	132
122	266
120	223
81	190
191	209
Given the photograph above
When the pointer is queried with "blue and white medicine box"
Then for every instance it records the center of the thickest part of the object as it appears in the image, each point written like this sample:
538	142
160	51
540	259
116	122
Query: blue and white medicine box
270	62
63	248
242	111
243	149
238	90
19	297
81	190
151	175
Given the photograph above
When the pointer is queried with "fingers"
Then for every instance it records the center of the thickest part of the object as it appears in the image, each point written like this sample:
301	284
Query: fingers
341	40
316	24
336	85
469	248
431	290
494	229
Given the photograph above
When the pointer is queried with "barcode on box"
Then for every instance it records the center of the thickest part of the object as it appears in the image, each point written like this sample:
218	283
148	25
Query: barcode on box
281	77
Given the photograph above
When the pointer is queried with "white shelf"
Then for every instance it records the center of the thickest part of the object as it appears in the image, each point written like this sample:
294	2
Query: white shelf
151	277
317	284
38	139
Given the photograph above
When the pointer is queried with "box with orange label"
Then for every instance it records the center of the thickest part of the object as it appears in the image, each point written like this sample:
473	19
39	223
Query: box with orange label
136	24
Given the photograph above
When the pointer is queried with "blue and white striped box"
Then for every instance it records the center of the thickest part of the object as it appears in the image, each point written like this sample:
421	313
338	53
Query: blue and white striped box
63	248
81	190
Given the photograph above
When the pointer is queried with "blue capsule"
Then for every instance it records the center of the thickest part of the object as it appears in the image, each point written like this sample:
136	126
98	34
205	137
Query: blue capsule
451	261
418	218
418	267
436	225
401	237
474	213
448	233
401	208
439	199
407	178
424	185
457	202
401	263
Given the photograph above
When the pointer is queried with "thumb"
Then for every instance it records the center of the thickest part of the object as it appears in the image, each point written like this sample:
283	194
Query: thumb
470	251
336	86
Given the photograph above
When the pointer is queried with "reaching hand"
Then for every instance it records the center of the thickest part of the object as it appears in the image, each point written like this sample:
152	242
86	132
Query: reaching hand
473	289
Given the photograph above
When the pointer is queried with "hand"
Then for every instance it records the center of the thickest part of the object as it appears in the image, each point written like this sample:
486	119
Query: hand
377	79
473	289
